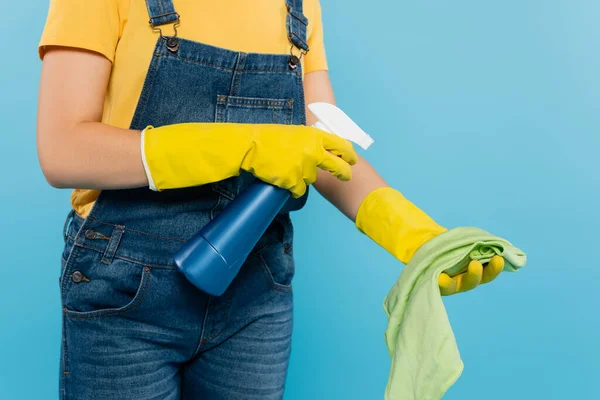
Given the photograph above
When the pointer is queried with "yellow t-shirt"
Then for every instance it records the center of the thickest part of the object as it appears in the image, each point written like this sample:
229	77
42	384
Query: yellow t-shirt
119	30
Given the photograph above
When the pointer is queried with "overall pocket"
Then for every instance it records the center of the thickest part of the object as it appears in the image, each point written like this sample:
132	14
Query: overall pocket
277	259
91	288
254	110
249	110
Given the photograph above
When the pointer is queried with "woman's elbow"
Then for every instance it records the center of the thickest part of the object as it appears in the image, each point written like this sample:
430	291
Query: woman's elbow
52	165
54	174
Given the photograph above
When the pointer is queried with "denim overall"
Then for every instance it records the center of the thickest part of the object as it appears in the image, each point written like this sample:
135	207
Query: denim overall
133	326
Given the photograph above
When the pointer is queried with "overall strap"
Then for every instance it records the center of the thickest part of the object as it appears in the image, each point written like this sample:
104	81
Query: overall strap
161	12
296	24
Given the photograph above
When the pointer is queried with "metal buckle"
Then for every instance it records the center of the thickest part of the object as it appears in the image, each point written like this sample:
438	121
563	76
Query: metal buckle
172	41
294	59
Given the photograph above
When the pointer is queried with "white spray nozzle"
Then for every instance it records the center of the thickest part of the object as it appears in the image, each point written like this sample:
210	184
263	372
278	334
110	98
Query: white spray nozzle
333	120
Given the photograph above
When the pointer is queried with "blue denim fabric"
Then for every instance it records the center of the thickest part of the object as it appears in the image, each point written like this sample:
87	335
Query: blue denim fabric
133	326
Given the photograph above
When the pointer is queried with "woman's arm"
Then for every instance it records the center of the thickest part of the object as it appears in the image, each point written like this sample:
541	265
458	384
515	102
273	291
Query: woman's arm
345	196
74	148
388	218
77	150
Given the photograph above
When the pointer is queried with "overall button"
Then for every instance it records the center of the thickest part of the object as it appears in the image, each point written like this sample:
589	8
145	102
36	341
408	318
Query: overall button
173	44
77	277
294	61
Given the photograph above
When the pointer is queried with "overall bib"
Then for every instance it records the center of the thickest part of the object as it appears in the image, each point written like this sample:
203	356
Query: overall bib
133	326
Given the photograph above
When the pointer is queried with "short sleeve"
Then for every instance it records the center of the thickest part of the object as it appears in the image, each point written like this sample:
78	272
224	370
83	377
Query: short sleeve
315	59
86	24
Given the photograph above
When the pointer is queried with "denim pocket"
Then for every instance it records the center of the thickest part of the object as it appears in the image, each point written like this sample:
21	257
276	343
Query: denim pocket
277	260
92	289
254	110
249	110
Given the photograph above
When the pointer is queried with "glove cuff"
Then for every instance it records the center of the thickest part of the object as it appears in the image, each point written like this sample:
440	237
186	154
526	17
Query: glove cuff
145	161
395	223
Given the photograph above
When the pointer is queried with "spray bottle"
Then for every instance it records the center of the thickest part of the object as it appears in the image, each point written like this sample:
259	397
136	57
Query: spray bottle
213	257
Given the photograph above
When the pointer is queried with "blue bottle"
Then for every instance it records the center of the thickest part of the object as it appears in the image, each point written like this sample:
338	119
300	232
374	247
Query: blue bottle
214	256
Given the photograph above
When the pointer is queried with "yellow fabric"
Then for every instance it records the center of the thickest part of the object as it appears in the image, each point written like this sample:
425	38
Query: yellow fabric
395	223
193	154
119	30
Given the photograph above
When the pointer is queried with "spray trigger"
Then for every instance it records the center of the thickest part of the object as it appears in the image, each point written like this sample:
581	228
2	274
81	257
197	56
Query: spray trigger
333	120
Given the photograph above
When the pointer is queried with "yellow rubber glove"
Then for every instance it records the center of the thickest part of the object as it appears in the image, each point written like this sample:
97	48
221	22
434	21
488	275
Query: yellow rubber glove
401	228
193	154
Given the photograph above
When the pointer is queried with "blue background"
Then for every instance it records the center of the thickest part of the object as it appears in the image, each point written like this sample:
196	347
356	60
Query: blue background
484	114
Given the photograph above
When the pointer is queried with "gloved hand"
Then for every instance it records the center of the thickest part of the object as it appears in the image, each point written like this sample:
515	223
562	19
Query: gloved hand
401	228
287	156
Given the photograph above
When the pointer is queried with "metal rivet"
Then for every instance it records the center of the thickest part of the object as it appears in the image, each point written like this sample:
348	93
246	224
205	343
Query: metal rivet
172	44
294	61
77	276
90	234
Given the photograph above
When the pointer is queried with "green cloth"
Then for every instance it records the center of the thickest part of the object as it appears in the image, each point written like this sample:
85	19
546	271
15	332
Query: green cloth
425	357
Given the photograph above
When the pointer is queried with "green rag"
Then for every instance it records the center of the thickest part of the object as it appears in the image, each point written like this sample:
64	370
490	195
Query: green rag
425	357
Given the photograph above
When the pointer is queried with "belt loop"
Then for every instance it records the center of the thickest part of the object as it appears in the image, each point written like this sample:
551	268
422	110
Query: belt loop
113	244
68	224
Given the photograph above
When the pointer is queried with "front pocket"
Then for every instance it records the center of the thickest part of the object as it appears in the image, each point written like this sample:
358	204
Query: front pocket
254	110
278	266
249	110
92	289
277	259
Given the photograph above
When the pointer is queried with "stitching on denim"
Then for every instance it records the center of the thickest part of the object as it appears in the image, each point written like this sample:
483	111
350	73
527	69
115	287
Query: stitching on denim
257	106
301	42
160	16
289	113
256	102
85	246
239	72
146	89
302	101
288	25
302	18
65	366
153	266
219	187
277	286
125	258
224	322
69	265
201	340
135	303
291	72
221	101
67	224
212	210
193	61
113	244
224	68
138	231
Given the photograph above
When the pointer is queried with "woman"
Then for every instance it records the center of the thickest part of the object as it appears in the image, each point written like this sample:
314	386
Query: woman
159	114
